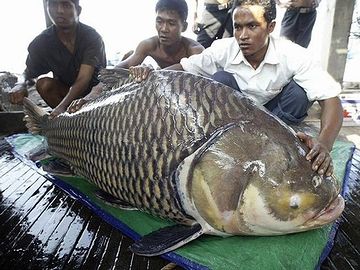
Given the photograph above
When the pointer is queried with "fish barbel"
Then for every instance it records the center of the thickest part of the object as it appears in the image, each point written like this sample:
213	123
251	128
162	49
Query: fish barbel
189	149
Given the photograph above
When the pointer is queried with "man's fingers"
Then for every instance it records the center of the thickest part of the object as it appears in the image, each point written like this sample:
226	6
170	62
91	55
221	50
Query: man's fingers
318	161
139	73
324	164
330	169
313	152
76	105
146	73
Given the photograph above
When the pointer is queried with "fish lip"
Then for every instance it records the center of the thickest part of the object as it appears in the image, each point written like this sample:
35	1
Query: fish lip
331	212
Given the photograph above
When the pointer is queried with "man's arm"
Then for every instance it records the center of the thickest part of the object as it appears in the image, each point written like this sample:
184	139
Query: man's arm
196	23
76	90
142	50
331	122
194	48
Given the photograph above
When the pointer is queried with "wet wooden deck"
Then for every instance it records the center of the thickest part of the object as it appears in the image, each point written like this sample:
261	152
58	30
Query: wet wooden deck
41	227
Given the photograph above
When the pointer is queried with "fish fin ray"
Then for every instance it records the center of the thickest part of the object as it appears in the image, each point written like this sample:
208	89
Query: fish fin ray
113	201
58	167
35	116
166	239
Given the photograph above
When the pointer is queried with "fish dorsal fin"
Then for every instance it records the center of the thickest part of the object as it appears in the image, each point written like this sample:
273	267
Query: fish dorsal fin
166	239
113	78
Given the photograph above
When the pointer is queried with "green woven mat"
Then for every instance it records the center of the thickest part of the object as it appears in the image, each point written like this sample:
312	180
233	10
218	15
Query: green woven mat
295	251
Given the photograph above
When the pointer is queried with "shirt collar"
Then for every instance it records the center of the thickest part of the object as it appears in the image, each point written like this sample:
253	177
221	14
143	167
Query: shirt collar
270	56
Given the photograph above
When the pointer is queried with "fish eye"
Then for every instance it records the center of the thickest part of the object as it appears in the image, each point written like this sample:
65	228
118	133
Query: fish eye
294	202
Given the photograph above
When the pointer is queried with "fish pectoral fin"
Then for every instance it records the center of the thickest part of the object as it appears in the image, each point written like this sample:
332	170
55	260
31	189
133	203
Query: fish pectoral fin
113	201
58	167
166	239
38	153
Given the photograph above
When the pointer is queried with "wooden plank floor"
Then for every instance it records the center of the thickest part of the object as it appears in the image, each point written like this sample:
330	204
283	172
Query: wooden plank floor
41	227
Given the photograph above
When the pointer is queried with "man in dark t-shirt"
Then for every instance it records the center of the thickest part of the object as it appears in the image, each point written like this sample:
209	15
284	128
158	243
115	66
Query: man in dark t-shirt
72	51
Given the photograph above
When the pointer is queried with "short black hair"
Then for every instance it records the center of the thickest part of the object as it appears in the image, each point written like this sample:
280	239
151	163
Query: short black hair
180	6
269	6
76	2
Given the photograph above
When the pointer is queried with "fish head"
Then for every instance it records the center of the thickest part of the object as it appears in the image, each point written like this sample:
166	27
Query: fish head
248	184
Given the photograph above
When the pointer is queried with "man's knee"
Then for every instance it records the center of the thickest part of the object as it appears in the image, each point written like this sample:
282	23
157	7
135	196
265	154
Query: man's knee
292	104
226	78
295	97
51	91
44	84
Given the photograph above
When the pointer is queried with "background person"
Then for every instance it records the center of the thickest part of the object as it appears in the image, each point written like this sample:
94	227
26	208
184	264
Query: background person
215	21
72	51
298	20
167	48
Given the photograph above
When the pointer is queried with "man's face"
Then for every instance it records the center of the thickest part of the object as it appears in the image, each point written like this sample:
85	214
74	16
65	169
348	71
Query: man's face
169	27
63	13
251	30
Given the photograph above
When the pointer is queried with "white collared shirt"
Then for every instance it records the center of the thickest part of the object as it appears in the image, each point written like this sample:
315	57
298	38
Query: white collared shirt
284	60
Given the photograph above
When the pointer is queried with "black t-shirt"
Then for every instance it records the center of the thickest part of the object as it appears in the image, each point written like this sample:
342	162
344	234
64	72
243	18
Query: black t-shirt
47	53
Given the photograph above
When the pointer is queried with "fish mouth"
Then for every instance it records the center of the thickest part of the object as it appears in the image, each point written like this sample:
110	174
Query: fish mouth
329	213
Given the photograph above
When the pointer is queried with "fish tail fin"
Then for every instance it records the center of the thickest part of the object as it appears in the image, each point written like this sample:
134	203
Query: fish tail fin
35	117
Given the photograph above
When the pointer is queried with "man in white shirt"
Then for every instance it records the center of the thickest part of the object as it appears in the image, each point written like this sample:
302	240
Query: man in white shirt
275	73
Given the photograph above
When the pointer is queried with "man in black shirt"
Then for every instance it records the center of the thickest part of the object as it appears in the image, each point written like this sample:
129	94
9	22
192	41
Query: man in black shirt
72	51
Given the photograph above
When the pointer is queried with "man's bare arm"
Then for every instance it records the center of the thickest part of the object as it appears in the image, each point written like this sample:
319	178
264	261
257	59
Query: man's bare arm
141	52
76	90
331	122
196	49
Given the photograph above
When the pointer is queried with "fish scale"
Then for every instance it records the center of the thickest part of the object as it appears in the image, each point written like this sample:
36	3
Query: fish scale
171	127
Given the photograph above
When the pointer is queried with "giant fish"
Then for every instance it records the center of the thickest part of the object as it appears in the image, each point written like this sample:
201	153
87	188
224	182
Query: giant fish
186	148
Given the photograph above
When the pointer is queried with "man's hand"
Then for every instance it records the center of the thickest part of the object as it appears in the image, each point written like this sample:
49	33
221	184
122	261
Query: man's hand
17	94
140	73
76	105
58	110
319	154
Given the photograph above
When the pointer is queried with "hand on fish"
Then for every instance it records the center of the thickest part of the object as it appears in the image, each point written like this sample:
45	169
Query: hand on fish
319	154
76	105
140	73
58	110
